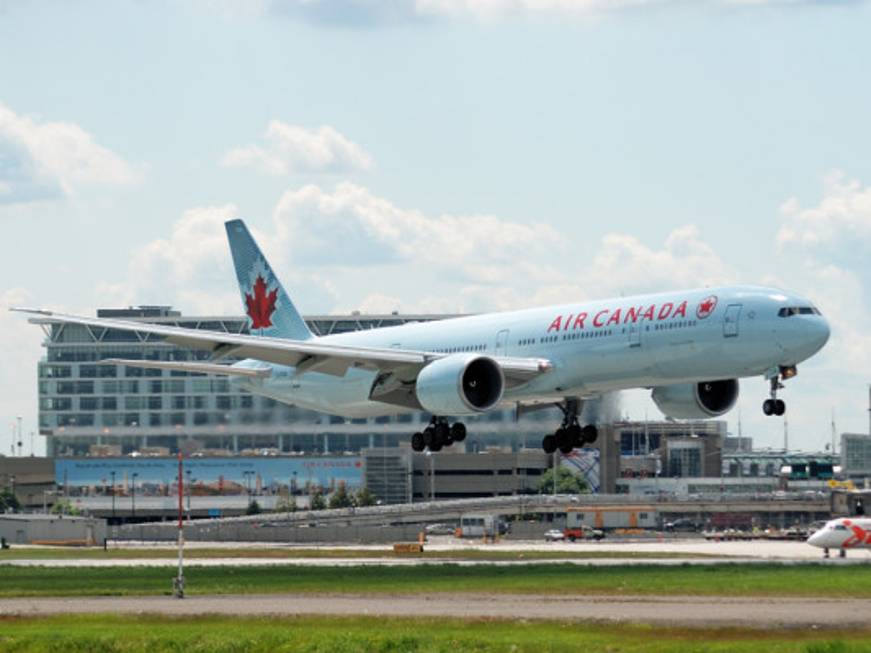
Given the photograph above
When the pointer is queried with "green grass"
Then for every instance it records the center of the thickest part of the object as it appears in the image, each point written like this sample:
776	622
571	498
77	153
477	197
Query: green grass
151	634
57	553
566	579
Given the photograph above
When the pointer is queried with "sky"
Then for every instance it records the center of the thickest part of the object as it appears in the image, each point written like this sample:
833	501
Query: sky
442	155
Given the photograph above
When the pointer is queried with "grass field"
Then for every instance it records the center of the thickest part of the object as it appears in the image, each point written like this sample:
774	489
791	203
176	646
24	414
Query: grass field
566	579
148	634
67	553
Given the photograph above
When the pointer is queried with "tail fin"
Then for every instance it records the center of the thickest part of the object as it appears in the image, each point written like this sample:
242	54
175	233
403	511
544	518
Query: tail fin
269	309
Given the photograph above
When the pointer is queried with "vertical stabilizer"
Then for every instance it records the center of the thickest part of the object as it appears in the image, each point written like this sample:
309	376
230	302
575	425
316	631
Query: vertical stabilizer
268	307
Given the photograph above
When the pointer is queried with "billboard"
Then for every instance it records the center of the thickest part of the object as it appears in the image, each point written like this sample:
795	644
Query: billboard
209	476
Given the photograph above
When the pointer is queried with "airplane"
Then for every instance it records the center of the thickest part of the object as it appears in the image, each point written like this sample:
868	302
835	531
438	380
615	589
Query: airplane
843	534
688	347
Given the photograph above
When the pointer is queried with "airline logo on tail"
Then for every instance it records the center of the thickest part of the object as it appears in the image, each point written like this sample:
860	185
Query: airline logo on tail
260	303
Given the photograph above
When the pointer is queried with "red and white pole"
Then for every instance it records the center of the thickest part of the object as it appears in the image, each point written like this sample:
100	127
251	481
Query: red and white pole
179	581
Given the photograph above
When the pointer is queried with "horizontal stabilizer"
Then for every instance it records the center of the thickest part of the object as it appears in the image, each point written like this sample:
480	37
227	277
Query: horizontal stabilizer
199	368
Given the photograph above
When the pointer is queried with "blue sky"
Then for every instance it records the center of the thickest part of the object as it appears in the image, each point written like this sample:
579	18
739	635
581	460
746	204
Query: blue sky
473	155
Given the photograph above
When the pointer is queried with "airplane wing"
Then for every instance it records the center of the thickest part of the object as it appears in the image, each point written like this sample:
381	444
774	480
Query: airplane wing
303	355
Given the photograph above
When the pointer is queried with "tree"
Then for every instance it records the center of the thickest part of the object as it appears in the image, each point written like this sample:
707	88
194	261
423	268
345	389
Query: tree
365	498
340	498
567	482
253	508
316	499
64	507
286	503
8	501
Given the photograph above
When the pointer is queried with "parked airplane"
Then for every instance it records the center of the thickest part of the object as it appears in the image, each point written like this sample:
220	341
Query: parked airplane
689	347
843	534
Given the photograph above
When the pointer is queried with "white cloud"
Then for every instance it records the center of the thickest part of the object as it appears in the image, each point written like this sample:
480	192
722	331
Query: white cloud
353	227
290	149
47	160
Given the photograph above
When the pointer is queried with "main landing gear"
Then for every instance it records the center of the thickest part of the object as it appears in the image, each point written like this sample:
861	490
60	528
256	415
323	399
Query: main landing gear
570	435
775	406
438	434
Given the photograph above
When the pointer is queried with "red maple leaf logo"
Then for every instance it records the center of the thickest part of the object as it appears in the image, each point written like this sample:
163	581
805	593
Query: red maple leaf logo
262	305
706	307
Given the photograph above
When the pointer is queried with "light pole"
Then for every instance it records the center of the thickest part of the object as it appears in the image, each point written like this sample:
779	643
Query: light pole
431	475
112	474
133	495
20	443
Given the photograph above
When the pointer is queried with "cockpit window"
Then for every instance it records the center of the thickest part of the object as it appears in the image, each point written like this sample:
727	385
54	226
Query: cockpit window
840	527
788	311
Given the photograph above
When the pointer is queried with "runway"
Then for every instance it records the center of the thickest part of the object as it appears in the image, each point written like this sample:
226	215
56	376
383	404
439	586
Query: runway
678	611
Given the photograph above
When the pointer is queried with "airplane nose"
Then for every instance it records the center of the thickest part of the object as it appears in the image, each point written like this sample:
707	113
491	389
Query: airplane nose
820	332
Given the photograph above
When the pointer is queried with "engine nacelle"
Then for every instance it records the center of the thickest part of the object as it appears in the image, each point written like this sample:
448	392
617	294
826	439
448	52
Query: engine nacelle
462	384
696	400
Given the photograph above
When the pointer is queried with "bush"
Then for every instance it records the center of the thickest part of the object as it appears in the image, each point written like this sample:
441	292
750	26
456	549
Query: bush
316	500
365	498
253	508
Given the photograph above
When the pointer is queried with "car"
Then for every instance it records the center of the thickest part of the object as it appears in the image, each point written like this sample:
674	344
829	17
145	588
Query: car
554	535
583	532
440	529
682	525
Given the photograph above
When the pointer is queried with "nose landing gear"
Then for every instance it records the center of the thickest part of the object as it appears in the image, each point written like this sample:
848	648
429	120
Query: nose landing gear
570	435
775	406
438	434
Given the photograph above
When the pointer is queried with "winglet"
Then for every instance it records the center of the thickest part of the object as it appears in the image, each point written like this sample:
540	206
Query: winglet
268	307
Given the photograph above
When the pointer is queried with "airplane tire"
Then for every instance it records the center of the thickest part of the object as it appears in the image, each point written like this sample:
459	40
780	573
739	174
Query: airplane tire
779	407
435	446
589	434
428	436
458	432
548	443
562	438
768	407
566	450
417	443
575	435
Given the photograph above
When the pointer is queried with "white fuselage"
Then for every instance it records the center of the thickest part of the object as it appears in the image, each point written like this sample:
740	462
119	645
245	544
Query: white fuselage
633	342
844	533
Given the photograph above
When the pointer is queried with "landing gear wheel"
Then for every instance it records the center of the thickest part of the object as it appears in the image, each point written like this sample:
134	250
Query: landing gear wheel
436	446
458	432
417	443
548	443
442	435
576	436
563	440
775	406
566	450
589	434
429	436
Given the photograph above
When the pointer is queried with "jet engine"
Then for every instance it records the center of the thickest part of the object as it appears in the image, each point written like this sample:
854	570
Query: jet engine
696	400
461	384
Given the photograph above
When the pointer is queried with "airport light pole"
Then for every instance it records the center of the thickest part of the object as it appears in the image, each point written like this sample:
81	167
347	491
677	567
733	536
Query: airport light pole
178	583
133	496
112	474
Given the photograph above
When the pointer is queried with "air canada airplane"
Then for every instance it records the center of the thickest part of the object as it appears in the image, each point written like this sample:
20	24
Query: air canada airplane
689	347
